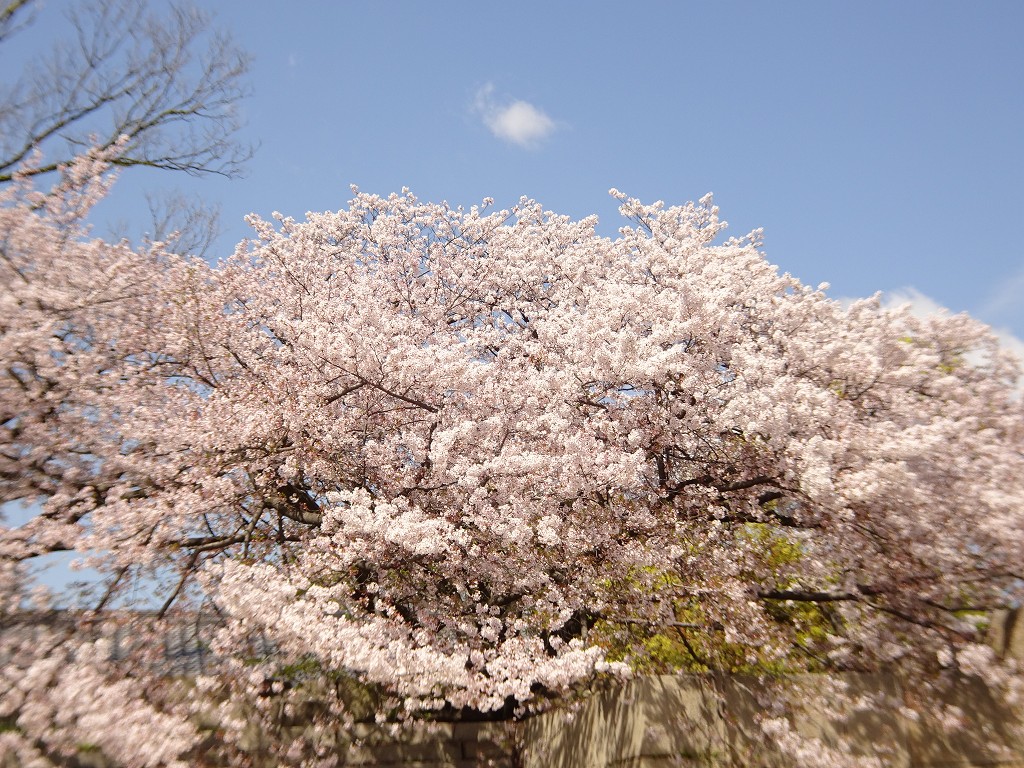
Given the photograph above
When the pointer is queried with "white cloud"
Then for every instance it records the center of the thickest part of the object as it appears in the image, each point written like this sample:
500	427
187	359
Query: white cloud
920	305
923	306
517	122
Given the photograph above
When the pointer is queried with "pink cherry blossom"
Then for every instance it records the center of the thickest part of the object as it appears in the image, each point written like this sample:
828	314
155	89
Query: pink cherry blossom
463	458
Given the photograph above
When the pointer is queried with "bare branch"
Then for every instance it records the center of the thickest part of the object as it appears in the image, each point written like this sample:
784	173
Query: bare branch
10	15
167	83
187	226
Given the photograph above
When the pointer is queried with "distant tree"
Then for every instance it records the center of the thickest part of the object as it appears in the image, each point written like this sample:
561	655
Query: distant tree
167	82
451	462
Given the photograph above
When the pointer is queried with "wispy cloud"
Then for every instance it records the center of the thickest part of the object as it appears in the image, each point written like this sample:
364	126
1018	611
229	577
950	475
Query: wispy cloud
1004	302
1010	342
923	306
515	121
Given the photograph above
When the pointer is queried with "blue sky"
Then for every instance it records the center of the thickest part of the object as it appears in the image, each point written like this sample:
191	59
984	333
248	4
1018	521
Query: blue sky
879	144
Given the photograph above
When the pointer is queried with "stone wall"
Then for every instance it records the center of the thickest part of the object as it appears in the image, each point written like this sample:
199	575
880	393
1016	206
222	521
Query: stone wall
711	722
656	722
684	721
444	745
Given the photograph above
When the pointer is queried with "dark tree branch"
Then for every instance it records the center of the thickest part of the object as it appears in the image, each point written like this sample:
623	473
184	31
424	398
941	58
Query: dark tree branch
185	573
800	596
294	503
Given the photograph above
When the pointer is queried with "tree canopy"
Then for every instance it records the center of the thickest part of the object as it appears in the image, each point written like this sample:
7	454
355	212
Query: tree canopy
473	461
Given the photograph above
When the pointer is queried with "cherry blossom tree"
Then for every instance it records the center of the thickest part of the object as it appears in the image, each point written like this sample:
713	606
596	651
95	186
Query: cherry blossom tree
455	463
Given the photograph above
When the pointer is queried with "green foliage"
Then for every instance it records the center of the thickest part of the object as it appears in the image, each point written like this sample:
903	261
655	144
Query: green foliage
302	669
980	620
692	641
